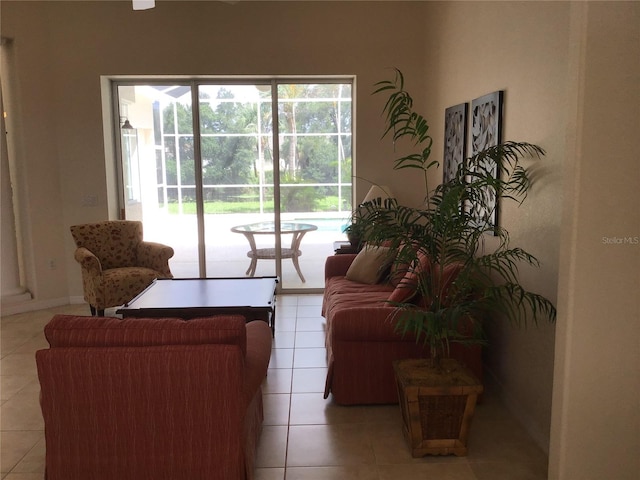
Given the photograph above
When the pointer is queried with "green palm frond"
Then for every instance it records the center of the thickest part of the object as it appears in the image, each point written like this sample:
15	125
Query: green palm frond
518	305
405	123
451	230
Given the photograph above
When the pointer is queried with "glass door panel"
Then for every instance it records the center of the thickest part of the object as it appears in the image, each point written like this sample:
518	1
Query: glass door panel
158	168
237	179
315	175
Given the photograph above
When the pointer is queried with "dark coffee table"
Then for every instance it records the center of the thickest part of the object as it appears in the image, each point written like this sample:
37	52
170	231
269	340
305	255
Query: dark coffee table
252	297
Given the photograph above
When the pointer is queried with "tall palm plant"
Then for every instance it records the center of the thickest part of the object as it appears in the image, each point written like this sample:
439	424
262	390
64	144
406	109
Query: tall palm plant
462	285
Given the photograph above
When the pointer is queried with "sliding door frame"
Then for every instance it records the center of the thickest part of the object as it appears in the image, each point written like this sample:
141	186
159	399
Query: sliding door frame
194	84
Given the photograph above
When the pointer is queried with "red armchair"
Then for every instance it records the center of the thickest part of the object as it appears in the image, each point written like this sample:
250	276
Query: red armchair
150	399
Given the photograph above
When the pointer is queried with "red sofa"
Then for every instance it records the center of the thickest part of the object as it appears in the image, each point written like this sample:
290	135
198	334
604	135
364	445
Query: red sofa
361	341
151	399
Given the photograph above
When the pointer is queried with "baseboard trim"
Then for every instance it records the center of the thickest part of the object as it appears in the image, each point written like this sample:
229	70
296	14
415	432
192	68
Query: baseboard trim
518	411
31	305
12	299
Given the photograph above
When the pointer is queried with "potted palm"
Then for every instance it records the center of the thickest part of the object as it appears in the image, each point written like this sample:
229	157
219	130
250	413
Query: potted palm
355	230
362	219
462	285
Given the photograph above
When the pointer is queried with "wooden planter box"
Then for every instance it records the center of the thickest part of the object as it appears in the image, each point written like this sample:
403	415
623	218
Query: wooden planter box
437	405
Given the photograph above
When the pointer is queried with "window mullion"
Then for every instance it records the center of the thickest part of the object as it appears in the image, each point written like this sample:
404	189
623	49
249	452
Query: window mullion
276	173
197	166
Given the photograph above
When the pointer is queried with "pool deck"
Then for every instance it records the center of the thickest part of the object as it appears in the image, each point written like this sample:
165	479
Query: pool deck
226	252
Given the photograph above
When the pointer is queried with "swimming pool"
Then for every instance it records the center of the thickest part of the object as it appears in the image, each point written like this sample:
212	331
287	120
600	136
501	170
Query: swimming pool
335	225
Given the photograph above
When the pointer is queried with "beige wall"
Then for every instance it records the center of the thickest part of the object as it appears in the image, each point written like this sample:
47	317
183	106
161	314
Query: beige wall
596	408
570	73
62	49
521	48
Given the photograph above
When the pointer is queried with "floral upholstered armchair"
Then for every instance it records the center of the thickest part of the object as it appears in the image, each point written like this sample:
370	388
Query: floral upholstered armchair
116	263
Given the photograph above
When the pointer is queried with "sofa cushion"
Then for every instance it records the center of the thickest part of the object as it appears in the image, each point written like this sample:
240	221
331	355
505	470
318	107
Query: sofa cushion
370	264
340	285
363	299
349	301
120	285
85	331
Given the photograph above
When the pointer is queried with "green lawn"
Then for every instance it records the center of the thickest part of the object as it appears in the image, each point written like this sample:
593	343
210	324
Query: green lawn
325	204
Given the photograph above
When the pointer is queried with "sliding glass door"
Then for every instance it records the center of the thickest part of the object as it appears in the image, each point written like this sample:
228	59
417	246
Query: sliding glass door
241	178
236	139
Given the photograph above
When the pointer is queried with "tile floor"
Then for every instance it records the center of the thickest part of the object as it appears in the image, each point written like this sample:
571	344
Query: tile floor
304	436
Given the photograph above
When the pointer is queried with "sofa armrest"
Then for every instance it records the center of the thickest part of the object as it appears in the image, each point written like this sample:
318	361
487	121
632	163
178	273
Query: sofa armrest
155	256
257	357
337	265
88	261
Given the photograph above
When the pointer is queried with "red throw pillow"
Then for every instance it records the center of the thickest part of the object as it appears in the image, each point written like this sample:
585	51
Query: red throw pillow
398	269
406	287
449	274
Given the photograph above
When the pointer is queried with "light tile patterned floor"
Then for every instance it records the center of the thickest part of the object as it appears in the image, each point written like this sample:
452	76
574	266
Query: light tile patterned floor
304	436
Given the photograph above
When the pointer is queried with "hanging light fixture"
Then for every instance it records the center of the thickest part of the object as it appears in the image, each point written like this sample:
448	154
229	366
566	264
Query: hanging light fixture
143	4
126	125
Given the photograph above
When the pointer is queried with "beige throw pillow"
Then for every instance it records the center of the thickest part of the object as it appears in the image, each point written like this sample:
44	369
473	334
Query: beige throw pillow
370	264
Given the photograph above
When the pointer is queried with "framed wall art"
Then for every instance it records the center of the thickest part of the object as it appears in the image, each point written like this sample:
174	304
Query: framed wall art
455	139
486	131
